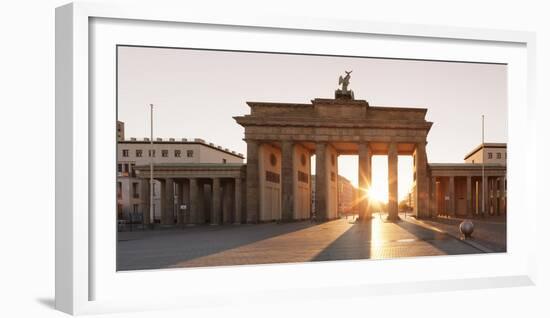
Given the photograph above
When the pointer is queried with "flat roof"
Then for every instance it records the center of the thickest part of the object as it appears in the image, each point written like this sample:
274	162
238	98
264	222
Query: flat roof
180	142
465	165
485	145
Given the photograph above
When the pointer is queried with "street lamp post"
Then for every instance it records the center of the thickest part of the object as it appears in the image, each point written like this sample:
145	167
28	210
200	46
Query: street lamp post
151	205
483	185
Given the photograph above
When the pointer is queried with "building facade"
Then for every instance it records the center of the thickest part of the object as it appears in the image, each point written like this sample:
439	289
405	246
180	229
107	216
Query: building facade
487	153
347	197
133	191
475	187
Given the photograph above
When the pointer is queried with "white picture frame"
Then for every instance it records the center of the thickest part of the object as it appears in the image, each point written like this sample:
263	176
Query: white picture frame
85	282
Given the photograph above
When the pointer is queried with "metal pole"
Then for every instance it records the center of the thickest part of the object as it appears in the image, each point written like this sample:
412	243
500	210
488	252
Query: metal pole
483	185
151	211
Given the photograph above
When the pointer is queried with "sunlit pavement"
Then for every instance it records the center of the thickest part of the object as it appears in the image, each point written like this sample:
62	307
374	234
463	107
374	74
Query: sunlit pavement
340	239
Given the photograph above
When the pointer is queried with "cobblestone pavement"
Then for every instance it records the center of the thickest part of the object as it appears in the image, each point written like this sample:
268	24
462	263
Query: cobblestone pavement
340	239
490	232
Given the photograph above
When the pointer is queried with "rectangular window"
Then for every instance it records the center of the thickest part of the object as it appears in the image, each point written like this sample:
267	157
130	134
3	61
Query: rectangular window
272	177
303	177
189	153
499	155
125	152
224	160
135	190
120	216
132	171
177	153
139	153
164	153
490	155
119	168
119	190
151	152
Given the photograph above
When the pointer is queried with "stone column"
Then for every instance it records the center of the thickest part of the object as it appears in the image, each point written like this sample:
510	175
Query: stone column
321	186
202	207
495	197
238	208
485	196
370	207
421	168
287	176
252	182
145	199
502	197
469	196
216	202
167	217
179	211
433	192
194	201
392	182
452	201
365	157
228	204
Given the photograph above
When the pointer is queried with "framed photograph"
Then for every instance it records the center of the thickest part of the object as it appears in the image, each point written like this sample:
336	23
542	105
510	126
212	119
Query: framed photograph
239	158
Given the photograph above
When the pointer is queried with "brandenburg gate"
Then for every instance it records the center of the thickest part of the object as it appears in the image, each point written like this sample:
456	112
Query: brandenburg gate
276	183
282	137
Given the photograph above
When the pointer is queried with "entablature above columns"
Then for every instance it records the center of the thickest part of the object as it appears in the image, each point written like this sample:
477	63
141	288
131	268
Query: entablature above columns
466	170
405	146
192	171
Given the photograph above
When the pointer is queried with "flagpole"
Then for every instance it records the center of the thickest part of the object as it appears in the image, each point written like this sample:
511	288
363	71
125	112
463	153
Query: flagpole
151	205
483	185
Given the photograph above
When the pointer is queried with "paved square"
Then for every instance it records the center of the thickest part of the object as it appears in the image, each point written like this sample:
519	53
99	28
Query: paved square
282	243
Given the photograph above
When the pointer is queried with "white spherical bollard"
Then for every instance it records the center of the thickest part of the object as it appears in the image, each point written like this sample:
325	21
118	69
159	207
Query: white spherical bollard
466	228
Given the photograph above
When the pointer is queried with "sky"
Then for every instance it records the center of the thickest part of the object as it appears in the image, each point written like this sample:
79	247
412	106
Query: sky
197	92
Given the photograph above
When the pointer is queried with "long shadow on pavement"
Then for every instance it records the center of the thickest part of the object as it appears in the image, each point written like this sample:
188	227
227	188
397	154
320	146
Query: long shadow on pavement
443	242
353	244
153	250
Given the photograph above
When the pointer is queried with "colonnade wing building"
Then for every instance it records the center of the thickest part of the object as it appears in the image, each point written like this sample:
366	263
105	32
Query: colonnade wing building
475	187
276	184
186	172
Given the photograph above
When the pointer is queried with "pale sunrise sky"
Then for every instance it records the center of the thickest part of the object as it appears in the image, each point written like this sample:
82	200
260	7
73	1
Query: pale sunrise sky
196	93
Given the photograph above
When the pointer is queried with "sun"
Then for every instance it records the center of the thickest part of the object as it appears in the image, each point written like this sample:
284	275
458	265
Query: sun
378	194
